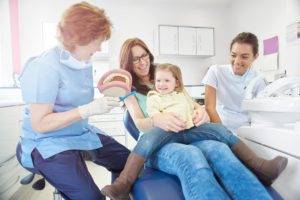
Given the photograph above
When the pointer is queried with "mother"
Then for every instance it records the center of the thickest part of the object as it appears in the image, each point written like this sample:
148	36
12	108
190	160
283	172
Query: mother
185	161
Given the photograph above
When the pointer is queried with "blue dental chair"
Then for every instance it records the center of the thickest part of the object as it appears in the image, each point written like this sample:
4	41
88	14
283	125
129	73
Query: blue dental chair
157	185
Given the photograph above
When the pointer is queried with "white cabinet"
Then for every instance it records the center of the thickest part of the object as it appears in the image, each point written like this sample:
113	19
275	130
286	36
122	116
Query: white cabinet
186	41
10	122
10	169
205	41
111	124
168	40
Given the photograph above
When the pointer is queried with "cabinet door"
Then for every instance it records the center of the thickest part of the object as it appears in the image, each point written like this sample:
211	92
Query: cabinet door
168	40
205	42
187	41
9	123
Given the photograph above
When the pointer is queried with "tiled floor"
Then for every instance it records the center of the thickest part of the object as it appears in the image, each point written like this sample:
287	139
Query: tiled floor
101	177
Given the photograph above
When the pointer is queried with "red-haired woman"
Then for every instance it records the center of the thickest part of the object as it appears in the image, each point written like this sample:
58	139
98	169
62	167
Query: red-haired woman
57	88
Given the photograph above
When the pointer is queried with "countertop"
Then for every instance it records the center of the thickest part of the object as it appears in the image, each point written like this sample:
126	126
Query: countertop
8	103
196	91
10	97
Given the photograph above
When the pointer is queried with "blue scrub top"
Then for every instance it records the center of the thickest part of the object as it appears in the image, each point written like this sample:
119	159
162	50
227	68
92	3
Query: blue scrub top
46	79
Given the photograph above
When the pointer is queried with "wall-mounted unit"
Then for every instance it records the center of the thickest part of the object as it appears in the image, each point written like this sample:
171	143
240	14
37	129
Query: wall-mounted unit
186	40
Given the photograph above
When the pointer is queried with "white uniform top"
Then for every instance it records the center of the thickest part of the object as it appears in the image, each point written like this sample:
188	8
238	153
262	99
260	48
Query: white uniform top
230	91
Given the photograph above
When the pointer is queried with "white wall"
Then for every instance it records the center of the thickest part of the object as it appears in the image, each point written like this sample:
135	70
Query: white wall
292	50
136	18
268	18
131	18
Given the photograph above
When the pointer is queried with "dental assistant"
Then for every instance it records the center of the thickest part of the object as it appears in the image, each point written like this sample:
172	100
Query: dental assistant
226	85
57	88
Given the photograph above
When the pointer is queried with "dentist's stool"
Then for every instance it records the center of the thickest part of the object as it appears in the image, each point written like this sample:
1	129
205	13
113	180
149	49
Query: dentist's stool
39	184
157	185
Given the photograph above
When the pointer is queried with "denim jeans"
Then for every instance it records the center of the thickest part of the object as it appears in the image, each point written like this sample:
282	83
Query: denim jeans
235	178
151	141
189	164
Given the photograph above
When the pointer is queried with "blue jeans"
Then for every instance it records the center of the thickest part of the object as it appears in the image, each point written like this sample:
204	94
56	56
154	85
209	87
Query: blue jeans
236	179
153	140
189	164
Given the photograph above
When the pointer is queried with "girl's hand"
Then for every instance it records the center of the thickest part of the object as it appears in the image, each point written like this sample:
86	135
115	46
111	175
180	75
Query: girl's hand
200	116
169	122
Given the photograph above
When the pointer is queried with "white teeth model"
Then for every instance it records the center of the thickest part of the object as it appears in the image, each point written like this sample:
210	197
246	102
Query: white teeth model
111	76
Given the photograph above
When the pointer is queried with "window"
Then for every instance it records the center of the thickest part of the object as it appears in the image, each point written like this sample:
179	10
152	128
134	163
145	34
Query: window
49	35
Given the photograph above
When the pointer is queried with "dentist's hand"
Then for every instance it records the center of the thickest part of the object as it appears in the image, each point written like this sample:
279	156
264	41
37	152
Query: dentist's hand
98	106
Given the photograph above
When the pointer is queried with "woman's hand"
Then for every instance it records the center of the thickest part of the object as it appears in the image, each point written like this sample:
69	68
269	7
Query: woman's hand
200	116
168	122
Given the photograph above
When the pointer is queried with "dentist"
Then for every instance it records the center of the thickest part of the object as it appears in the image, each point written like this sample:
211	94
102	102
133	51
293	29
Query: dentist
226	85
57	88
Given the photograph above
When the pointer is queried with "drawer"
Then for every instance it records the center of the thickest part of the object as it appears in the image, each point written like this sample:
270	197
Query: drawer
7	148
9	120
111	128
8	171
10	186
117	110
108	117
7	163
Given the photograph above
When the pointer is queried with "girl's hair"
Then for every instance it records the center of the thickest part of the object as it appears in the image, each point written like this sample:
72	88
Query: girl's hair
126	63
81	24
176	72
248	38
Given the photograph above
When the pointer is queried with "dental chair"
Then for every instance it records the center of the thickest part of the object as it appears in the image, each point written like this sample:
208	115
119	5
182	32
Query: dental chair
157	185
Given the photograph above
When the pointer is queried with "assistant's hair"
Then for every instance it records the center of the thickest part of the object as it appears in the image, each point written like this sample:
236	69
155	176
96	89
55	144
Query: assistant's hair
246	38
81	24
126	63
176	72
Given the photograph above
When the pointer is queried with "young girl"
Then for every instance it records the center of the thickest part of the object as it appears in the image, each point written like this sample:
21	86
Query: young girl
170	96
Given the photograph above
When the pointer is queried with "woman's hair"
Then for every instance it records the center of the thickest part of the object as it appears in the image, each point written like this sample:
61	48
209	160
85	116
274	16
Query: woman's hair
126	63
176	72
248	38
81	24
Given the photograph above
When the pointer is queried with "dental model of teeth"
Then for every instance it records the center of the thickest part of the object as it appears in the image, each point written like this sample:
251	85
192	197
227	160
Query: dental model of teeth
115	83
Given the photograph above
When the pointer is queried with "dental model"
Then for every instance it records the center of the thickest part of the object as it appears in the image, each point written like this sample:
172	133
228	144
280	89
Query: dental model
116	83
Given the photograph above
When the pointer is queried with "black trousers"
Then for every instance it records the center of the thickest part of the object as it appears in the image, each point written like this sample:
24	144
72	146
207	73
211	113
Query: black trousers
68	173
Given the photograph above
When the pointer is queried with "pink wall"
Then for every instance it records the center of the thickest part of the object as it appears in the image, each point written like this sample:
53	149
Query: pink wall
15	41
